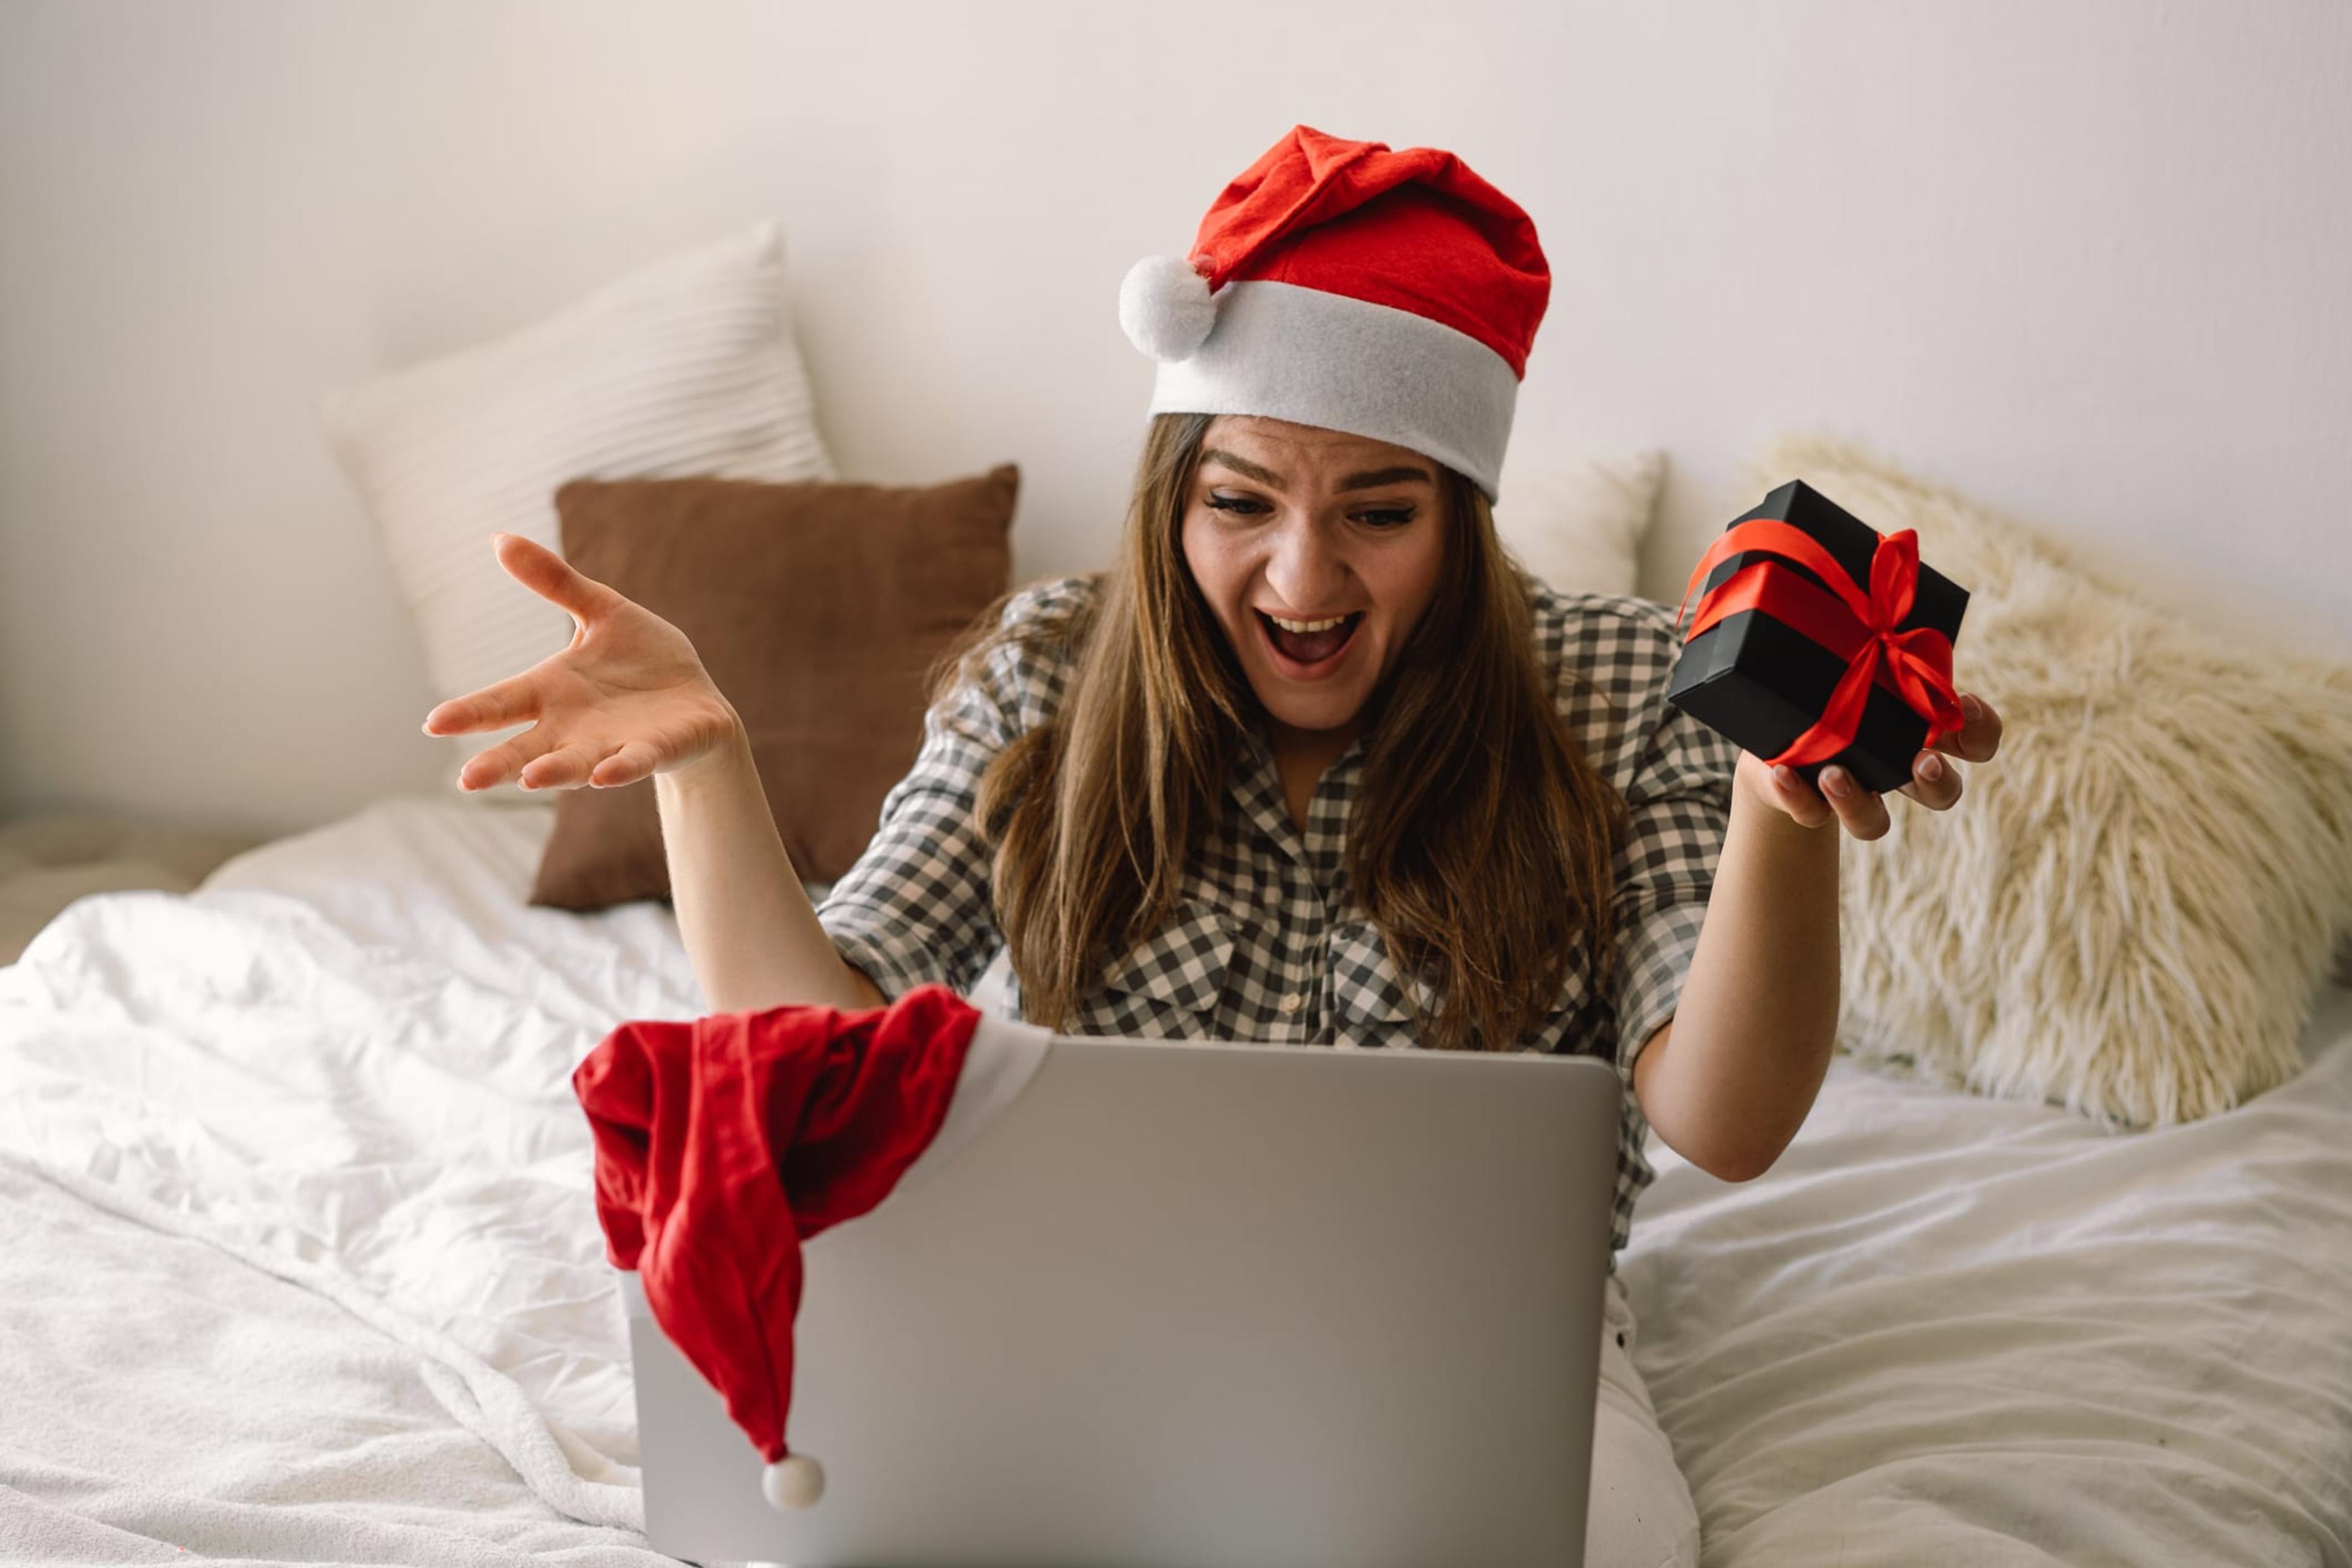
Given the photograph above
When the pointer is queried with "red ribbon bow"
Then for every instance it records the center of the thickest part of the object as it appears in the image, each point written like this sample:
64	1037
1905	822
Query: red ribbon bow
1916	665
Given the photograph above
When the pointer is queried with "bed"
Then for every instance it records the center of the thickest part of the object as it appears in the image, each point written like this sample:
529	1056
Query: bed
302	1264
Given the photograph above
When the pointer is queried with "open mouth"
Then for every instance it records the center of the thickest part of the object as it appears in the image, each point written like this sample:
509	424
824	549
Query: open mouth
1310	651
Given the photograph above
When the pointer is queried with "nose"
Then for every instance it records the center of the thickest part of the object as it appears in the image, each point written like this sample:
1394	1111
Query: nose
1304	568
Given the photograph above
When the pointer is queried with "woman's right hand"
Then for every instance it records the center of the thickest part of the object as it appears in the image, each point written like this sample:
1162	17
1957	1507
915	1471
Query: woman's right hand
628	699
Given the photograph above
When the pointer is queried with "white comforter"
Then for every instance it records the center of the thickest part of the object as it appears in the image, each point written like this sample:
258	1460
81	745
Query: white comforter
345	1061
376	1324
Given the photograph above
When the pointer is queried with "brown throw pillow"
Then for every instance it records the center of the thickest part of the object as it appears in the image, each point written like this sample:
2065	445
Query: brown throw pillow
818	609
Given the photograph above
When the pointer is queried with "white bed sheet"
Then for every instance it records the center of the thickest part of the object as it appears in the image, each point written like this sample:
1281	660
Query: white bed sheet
1954	1330
1941	1330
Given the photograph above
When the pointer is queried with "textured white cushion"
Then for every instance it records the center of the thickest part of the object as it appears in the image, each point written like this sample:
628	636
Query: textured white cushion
1577	525
2130	907
687	367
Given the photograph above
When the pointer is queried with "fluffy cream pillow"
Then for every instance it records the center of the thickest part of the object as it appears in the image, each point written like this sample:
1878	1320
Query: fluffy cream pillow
1577	525
687	367
2131	907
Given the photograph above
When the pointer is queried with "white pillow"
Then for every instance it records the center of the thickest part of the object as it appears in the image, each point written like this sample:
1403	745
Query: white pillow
1578	525
687	367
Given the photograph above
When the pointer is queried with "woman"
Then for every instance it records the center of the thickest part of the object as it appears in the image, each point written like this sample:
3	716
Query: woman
1312	761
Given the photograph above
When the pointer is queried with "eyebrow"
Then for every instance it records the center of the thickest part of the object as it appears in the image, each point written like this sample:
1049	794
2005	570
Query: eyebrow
1366	480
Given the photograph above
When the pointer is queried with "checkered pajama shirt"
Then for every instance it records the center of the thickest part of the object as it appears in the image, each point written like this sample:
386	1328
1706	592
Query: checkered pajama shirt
1267	944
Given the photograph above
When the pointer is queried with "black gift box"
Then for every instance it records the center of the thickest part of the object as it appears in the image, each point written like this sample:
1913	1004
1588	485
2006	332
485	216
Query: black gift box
1763	684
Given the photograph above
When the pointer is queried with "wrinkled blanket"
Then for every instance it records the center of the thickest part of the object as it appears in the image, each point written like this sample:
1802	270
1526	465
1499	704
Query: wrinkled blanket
331	1086
304	1263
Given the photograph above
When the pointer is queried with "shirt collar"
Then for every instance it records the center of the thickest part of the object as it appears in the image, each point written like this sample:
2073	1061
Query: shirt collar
1256	787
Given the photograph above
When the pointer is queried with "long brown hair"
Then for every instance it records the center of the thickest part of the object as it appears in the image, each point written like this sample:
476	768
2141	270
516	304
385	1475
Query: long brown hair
1482	840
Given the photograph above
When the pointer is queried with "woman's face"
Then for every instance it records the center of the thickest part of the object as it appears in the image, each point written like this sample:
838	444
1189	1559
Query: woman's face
1318	553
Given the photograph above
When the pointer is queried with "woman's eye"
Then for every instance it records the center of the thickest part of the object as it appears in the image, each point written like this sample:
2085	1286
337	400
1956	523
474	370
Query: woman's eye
1245	506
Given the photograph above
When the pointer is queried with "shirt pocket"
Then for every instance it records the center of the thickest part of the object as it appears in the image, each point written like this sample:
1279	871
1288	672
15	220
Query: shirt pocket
1366	986
1181	966
1370	994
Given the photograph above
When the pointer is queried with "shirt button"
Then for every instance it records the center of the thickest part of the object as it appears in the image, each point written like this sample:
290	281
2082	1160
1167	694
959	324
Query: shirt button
1293	1003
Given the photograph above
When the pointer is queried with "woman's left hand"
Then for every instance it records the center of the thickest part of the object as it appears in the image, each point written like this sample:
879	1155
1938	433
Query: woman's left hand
1935	783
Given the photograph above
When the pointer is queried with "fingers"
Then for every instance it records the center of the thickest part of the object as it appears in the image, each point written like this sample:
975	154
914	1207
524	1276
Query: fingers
624	766
1792	795
513	701
564	767
1935	781
1861	812
551	578
534	761
1979	734
487	770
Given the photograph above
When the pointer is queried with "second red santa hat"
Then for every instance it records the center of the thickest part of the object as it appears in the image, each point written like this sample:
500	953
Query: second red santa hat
1393	295
724	1143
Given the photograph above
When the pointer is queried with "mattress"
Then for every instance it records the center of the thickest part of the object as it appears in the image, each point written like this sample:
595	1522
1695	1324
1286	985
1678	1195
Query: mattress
304	1265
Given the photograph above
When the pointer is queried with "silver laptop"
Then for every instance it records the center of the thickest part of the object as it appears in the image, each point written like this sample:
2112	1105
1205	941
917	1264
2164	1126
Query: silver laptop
1191	1305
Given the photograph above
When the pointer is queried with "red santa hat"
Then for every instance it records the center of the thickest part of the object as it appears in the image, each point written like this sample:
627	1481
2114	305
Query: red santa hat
724	1143
1392	295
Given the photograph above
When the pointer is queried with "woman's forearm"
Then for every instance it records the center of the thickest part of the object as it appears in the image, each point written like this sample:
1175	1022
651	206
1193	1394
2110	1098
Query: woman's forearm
1729	1080
746	922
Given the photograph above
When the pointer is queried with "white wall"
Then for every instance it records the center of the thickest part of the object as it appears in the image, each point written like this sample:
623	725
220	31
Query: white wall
2087	259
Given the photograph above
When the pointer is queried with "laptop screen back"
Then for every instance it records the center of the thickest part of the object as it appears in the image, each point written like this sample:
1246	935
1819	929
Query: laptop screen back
1197	1305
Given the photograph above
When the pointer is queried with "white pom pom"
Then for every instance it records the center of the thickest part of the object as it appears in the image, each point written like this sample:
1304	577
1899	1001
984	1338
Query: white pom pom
792	1482
1165	307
